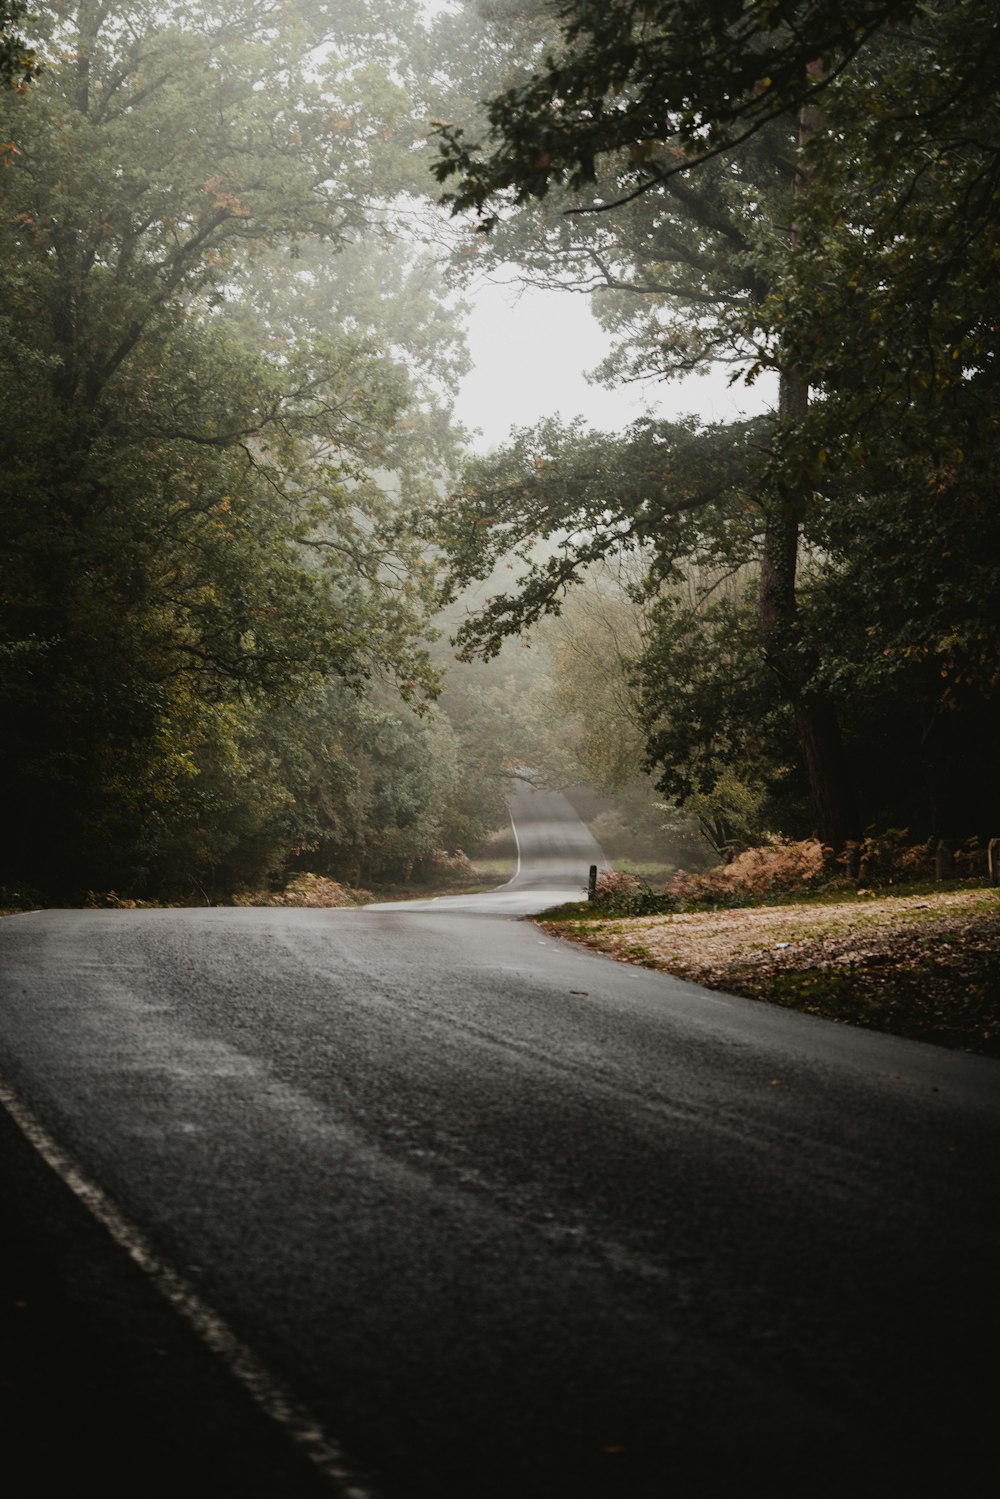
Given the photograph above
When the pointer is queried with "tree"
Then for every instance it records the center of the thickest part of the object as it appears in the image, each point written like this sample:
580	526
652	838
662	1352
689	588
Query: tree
671	505
649	113
695	247
719	734
191	524
18	61
595	643
671	85
883	304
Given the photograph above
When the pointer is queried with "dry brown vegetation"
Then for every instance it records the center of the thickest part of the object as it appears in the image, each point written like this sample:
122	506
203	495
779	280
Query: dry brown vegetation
309	890
923	965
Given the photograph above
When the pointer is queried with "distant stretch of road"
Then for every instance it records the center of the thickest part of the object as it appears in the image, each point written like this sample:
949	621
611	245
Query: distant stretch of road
475	1214
555	852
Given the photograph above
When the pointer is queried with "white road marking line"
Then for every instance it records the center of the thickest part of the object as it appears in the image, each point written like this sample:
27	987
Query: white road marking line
298	1424
517	844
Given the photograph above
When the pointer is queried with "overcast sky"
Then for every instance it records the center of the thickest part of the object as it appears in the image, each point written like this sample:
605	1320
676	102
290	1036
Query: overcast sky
532	350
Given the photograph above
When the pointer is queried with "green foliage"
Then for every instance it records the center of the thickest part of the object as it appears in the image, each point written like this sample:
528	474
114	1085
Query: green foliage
897	242
19	63
731	813
594	644
708	704
214	415
669	85
661	486
810	190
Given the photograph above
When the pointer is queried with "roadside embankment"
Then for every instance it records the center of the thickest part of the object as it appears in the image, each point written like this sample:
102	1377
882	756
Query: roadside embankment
920	965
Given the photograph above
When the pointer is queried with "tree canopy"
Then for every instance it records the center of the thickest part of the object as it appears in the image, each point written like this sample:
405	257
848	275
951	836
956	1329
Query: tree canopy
809	190
216	404
18	60
228	350
670	85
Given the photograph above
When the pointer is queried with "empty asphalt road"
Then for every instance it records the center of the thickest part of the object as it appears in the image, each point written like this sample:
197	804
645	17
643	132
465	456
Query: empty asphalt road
416	1201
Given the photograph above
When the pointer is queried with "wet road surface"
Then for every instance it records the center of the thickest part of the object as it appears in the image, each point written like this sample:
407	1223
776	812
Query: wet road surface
495	1217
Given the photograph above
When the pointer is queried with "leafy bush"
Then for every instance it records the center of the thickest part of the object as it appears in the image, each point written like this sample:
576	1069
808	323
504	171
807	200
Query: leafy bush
19	898
110	900
313	890
891	856
776	867
621	894
446	867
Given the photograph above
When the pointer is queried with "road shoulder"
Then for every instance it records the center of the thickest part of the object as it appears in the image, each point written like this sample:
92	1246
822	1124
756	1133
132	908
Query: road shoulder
923	966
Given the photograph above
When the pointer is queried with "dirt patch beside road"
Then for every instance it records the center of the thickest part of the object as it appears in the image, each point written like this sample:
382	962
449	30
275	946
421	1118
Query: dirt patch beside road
926	966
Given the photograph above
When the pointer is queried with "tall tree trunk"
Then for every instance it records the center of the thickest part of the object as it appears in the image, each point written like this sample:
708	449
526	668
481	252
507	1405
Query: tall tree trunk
816	723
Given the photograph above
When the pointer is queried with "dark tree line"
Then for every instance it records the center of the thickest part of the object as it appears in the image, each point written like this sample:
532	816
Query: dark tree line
807	190
226	363
223	374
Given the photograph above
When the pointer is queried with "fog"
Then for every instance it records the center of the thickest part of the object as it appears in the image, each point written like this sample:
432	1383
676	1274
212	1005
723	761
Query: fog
532	350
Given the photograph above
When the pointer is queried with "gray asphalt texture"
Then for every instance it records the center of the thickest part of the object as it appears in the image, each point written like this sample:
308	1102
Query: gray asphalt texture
513	1220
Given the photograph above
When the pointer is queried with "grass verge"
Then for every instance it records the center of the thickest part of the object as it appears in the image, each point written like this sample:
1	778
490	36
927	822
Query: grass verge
921	964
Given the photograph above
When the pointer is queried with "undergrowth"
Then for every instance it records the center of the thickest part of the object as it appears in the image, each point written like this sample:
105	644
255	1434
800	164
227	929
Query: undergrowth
779	872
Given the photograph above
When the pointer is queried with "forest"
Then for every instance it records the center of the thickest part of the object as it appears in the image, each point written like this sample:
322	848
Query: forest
266	609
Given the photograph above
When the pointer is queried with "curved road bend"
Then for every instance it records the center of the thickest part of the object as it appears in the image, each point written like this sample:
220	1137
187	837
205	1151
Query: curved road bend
504	1218
555	851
